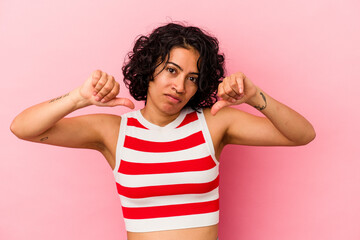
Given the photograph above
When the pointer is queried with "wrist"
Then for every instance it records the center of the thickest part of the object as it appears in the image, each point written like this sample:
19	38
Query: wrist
259	100
78	100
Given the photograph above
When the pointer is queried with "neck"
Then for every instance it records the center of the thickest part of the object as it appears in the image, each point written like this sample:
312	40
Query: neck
157	117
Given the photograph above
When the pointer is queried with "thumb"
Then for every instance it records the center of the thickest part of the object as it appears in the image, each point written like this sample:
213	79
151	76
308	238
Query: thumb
219	105
120	102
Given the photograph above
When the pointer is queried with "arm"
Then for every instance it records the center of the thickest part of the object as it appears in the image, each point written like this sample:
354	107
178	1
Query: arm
45	122
281	126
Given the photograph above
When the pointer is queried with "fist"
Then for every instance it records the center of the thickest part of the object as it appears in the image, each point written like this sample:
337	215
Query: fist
234	90
101	89
104	86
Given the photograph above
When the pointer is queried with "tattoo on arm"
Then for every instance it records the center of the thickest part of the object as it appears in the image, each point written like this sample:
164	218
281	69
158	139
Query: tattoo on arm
264	106
55	99
44	139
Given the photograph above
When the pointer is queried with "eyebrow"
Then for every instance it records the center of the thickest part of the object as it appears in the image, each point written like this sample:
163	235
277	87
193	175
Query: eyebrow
181	68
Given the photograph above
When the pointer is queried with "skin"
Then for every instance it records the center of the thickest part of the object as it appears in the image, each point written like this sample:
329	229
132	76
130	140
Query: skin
167	95
172	88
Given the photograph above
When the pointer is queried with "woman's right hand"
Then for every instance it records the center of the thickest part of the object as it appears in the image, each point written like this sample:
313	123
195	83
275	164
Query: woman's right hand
101	89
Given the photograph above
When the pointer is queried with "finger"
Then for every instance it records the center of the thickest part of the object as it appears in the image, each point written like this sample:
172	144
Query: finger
113	93
228	88
240	85
219	105
222	94
234	84
101	83
95	77
229	85
120	102
106	89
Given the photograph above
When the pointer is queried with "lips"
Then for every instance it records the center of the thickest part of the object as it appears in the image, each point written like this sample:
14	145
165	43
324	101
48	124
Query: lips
173	98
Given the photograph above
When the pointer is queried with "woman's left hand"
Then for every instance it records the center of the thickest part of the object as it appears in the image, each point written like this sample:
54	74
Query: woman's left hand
234	90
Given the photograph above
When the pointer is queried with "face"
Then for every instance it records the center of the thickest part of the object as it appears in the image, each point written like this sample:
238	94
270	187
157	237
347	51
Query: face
173	87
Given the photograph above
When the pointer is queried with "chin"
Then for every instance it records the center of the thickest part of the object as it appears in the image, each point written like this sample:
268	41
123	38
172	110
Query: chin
171	110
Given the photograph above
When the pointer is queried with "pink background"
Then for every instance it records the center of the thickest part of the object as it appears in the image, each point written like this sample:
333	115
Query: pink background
303	53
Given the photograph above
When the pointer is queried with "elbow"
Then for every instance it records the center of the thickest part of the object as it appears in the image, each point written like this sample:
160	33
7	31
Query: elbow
23	130
15	129
311	135
308	137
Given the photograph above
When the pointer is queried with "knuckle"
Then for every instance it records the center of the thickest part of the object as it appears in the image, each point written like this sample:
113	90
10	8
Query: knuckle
97	72
228	90
233	84
107	88
98	87
100	94
109	96
115	90
101	82
232	94
103	91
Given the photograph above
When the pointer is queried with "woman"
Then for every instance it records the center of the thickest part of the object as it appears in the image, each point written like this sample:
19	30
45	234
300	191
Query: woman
165	156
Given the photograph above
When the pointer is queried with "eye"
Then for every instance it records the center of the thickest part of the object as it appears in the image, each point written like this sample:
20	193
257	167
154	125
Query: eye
193	79
171	70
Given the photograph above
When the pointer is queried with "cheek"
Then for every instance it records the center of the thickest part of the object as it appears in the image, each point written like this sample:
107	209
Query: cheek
154	85
161	82
192	91
192	88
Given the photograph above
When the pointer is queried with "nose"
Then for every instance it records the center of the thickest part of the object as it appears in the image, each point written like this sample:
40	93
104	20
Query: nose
179	84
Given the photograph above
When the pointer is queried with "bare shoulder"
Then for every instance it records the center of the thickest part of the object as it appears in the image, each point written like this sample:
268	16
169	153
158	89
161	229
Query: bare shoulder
105	121
224	116
102	123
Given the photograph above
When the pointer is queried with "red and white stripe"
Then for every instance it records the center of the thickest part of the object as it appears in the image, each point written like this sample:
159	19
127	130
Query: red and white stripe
167	177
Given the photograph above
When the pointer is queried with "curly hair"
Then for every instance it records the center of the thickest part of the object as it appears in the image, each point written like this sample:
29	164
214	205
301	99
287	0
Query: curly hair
144	59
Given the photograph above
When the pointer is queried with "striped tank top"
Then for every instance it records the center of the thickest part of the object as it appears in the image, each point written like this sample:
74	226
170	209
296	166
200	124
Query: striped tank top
166	177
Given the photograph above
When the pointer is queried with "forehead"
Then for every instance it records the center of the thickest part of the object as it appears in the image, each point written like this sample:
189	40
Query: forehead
184	57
